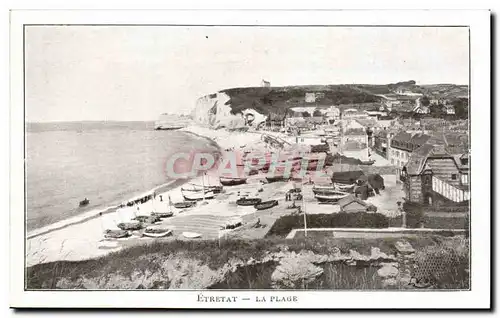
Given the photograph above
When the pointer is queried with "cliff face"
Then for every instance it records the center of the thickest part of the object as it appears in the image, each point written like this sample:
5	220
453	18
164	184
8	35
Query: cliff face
250	106
215	111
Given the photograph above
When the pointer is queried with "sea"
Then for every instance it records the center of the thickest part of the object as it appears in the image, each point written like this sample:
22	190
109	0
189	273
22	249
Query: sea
106	162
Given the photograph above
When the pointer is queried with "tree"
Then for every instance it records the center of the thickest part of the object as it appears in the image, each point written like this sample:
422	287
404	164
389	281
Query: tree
317	113
461	108
425	101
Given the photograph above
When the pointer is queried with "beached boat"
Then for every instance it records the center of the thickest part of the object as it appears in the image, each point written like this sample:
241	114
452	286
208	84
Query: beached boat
266	205
198	188
115	234
132	225
248	201
228	181
367	162
331	197
184	204
84	202
191	234
333	188
344	187
162	214
277	178
163	127
324	189
197	196
147	218
157	232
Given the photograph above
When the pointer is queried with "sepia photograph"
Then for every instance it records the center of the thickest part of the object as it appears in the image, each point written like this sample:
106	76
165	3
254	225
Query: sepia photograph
238	157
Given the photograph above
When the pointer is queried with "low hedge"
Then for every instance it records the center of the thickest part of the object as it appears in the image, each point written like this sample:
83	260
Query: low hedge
286	223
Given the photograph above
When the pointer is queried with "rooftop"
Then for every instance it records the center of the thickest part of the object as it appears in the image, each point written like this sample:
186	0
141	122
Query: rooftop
349	199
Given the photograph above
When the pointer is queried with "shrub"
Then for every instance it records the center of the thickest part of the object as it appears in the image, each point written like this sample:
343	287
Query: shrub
286	223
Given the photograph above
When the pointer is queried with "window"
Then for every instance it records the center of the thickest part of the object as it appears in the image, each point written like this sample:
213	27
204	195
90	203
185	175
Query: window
465	178
453	177
464	161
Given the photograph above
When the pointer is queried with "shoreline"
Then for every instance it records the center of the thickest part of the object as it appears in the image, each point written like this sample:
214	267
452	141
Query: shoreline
100	211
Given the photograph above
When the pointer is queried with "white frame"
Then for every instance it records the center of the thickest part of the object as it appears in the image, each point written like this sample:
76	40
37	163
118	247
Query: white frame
477	297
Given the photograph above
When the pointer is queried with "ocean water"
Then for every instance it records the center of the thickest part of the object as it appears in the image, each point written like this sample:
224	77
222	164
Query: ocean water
107	162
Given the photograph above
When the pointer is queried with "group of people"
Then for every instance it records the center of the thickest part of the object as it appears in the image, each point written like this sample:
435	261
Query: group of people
289	196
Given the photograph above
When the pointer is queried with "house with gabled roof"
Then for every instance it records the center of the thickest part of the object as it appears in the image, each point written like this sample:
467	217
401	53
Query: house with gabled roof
436	176
353	204
401	147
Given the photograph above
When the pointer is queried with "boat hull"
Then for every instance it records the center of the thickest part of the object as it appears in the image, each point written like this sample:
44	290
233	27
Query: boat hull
162	214
232	182
276	179
266	205
184	205
191	234
198	196
156	235
330	198
248	202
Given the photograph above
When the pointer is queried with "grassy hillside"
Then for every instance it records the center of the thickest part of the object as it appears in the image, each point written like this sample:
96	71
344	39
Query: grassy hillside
276	100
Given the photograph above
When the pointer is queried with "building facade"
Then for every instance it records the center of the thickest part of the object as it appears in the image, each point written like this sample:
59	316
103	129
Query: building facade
435	177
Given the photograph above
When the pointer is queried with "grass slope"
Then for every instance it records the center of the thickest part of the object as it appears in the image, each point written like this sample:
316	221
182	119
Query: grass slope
276	100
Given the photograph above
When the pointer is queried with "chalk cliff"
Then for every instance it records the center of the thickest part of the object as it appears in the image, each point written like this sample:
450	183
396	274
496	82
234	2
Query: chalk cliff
215	110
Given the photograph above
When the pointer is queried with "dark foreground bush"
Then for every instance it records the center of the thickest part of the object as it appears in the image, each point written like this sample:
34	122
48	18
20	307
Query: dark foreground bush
286	223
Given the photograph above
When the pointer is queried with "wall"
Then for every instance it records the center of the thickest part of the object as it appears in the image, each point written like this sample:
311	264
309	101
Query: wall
443	169
414	189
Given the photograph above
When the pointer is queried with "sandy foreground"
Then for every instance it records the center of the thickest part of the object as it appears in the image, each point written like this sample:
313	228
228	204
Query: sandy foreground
85	239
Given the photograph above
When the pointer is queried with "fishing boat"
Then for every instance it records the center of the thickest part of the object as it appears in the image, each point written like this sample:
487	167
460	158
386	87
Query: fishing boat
331	197
276	178
184	204
229	181
162	215
198	188
344	187
156	232
367	162
248	201
84	202
147	219
266	205
191	234
197	196
333	188
115	234
132	225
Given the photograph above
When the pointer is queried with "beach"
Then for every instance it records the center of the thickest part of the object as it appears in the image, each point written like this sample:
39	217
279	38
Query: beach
81	237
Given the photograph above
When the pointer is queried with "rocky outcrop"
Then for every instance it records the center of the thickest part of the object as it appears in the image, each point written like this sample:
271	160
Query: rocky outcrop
295	272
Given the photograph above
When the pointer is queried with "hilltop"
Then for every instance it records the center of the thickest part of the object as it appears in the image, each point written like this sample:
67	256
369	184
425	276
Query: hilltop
230	107
266	100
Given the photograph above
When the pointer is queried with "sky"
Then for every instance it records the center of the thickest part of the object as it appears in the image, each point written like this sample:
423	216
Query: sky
127	73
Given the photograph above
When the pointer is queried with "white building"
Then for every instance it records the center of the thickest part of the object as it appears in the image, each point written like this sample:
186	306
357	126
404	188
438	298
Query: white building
265	83
310	98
